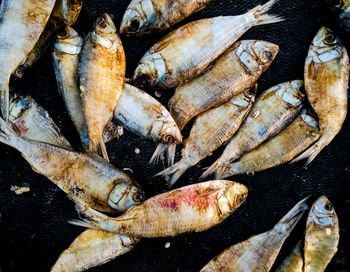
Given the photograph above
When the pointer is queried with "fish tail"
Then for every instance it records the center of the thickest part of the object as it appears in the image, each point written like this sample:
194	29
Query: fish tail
164	151
174	172
4	101
217	168
311	153
99	147
261	15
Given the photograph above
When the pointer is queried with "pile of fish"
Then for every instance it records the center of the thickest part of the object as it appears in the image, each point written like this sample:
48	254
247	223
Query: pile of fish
215	75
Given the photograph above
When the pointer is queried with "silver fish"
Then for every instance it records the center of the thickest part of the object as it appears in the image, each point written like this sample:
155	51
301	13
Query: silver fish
146	16
188	51
21	25
258	253
294	261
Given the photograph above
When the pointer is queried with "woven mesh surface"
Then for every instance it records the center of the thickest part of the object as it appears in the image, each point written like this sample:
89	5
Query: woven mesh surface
34	229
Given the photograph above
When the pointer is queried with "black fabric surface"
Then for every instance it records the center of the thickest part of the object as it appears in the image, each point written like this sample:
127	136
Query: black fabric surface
34	228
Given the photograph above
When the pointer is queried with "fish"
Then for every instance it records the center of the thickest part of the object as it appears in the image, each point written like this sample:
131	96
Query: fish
259	252
192	208
341	8
210	130
282	148
147	16
65	12
146	117
326	83
321	235
101	79
237	69
274	109
294	262
87	177
189	50
65	60
93	248
31	121
21	25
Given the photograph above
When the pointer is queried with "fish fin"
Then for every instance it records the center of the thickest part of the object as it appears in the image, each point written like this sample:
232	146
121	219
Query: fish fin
6	132
216	168
5	102
162	152
294	215
99	147
170	154
261	16
174	172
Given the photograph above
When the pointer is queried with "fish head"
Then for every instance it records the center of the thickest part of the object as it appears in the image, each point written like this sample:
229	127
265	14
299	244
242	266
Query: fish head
125	195
233	196
139	17
290	92
67	11
322	213
151	71
18	107
326	46
166	130
105	25
257	56
69	41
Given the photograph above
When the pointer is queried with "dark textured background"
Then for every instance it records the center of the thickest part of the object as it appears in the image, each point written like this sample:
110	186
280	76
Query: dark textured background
34	229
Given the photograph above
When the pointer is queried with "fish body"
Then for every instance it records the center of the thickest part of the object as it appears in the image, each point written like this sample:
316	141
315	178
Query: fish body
146	16
294	262
188	51
258	253
93	248
326	83
89	178
342	9
22	23
101	76
276	108
65	12
236	70
321	236
282	148
210	130
192	208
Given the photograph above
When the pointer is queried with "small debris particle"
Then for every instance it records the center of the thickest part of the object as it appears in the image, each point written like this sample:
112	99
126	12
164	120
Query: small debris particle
120	131
137	151
158	94
19	190
167	245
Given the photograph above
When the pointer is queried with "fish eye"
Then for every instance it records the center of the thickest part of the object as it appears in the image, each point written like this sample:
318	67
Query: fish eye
137	197
328	207
101	22
144	81
62	32
329	38
267	55
134	25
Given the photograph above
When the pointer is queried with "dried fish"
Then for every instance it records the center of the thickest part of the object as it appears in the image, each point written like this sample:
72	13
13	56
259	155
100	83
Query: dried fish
282	148
188	51
146	16
321	236
92	248
236	70
89	178
342	10
259	252
276	108
192	208
101	74
210	130
295	260
326	84
33	122
21	25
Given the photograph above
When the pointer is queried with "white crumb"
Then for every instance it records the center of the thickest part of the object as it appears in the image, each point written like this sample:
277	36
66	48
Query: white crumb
167	245
137	151
158	94
19	190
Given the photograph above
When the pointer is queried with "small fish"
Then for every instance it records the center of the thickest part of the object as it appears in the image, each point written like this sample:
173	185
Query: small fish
342	10
210	130
326	84
188	51
101	74
21	25
65	60
236	70
65	12
282	148
89	178
33	122
321	236
295	260
276	108
193	208
259	252
146	16
93	248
